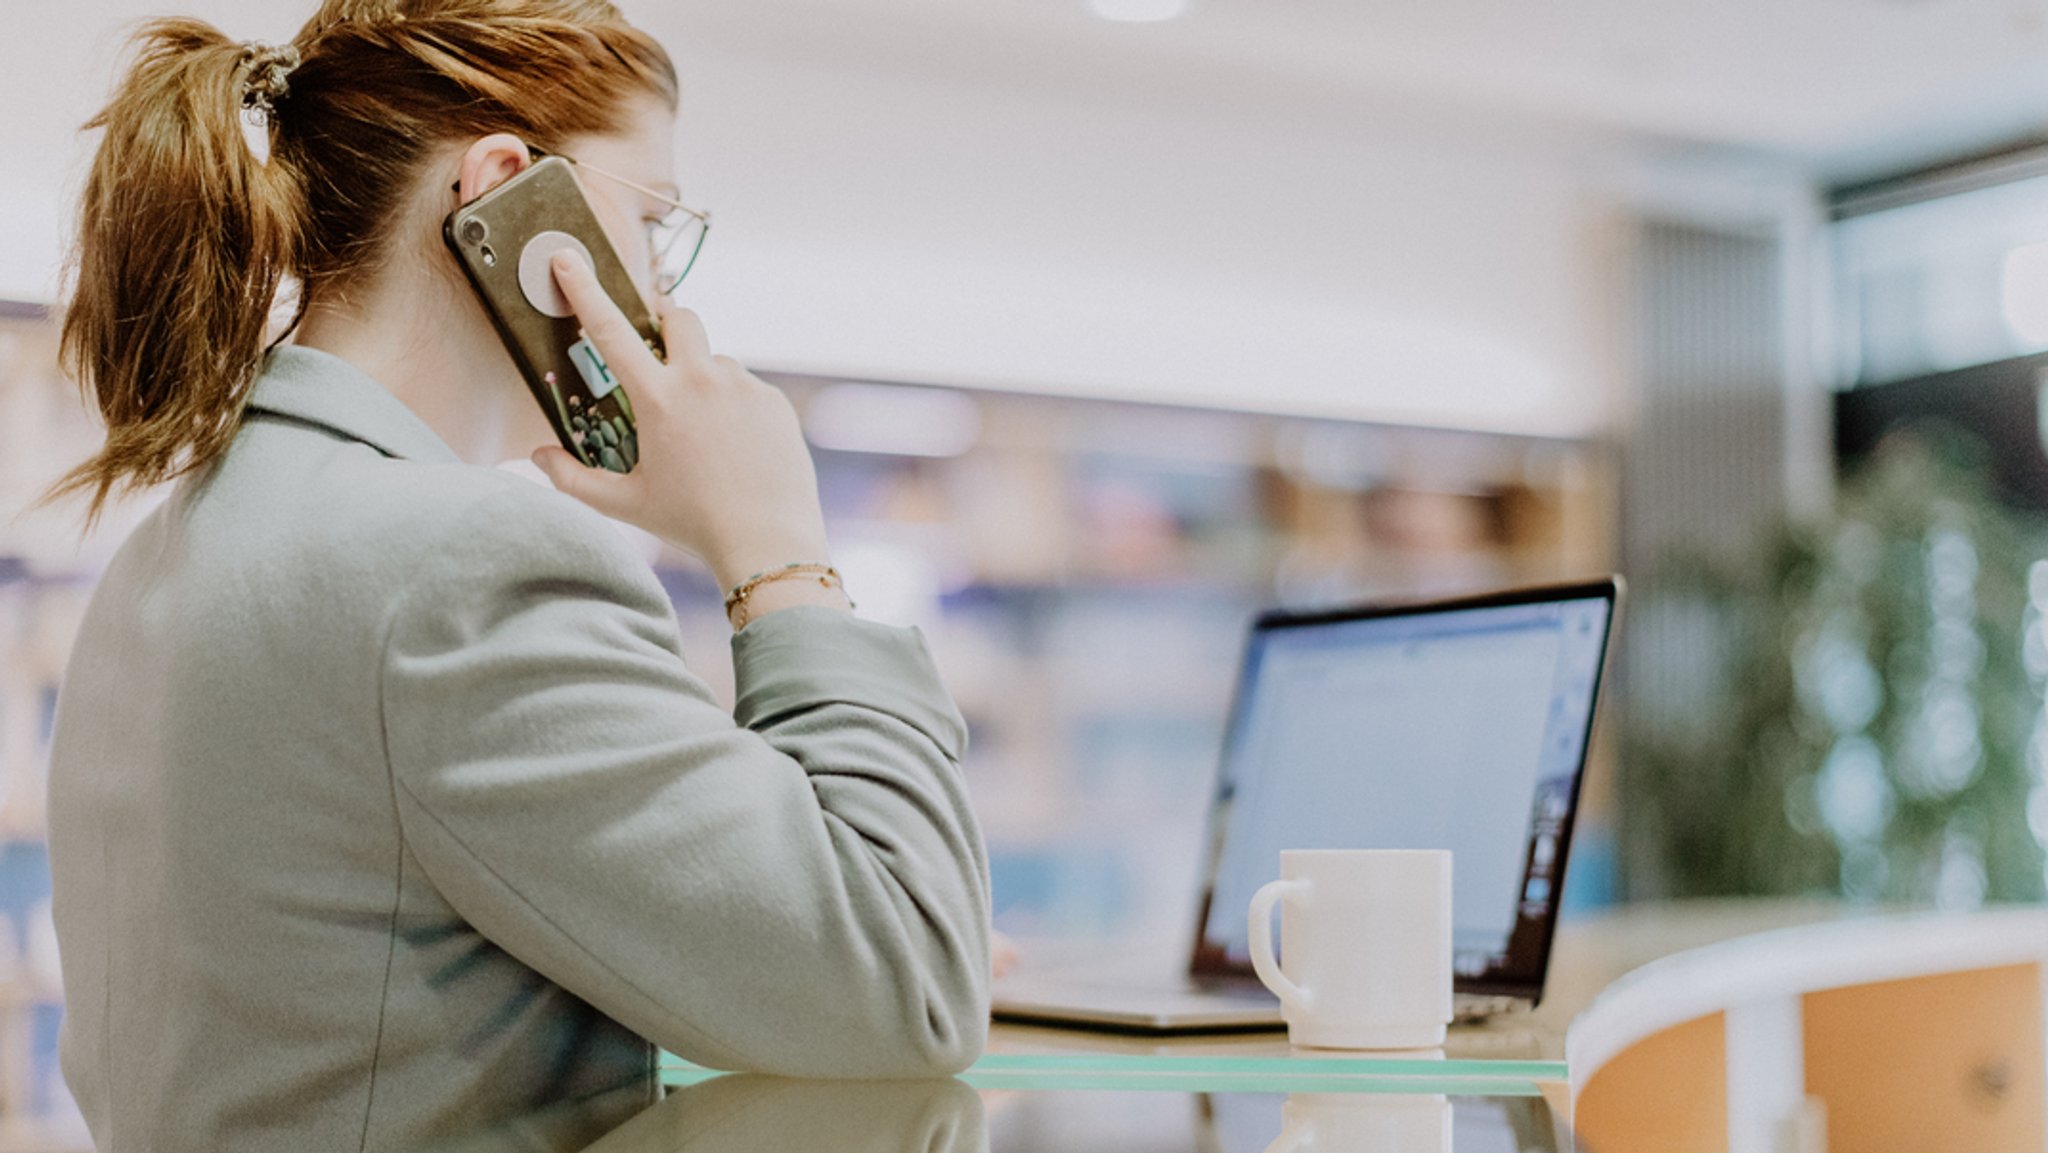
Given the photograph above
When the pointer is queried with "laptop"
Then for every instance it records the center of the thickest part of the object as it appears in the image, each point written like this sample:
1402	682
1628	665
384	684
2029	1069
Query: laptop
1453	724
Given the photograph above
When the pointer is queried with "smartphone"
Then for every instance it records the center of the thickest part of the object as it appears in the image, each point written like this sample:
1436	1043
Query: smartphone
504	241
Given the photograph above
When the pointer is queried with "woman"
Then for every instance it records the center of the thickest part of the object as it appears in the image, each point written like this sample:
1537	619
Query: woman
384	808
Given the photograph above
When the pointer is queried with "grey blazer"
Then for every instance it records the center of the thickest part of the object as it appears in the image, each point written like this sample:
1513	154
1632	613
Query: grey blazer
384	811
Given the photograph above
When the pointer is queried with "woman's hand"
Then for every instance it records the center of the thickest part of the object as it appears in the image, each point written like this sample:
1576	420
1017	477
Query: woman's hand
723	469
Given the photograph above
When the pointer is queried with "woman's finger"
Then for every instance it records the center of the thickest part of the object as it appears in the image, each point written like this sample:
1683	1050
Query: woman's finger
682	333
607	327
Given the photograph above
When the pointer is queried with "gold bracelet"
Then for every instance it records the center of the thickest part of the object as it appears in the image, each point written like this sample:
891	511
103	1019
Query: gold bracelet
827	577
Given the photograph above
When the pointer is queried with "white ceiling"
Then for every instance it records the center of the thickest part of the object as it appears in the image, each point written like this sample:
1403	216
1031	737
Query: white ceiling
1840	85
1368	187
1837	84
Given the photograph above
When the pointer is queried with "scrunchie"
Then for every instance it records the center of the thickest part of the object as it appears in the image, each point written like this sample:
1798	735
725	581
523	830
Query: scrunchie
266	69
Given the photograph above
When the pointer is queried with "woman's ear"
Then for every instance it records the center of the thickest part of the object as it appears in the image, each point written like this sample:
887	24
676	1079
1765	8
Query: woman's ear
491	161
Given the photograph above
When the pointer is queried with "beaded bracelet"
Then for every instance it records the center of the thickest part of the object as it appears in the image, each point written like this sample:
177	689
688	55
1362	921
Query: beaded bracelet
736	600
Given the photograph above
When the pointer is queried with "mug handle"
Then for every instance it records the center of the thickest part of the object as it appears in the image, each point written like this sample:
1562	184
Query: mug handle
1292	996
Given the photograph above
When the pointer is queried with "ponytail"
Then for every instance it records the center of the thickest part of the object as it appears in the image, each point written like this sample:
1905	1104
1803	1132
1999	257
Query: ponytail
184	238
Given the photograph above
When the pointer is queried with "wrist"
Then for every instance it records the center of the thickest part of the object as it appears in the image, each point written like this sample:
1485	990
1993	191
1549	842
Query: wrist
775	595
736	567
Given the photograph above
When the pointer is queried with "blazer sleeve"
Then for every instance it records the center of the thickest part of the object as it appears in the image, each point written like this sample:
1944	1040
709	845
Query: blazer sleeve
799	890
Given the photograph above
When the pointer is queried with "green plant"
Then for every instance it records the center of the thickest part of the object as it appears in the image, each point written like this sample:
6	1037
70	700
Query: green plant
1864	714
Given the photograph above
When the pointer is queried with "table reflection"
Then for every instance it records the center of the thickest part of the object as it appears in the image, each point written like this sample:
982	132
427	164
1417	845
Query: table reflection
560	1128
751	1114
1364	1122
1382	1123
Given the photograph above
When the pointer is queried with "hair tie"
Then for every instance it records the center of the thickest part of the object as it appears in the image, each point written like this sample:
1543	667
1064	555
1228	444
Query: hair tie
265	69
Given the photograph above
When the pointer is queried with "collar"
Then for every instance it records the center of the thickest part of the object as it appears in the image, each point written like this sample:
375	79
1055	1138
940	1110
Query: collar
320	388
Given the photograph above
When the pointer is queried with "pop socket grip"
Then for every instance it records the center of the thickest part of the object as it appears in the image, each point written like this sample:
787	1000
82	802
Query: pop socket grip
537	280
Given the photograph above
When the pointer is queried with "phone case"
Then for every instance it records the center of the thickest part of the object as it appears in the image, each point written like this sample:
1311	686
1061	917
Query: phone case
505	236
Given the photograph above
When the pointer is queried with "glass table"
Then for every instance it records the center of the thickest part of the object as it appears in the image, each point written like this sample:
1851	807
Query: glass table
1302	1071
1247	1096
1034	1103
1265	1099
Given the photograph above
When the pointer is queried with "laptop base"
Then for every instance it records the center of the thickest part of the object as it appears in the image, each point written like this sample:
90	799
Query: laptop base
1188	1007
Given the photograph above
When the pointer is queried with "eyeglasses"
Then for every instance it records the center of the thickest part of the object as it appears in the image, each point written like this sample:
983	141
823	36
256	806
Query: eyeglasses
673	241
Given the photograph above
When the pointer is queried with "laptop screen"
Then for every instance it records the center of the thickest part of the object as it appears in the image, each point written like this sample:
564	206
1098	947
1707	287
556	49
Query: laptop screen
1459	726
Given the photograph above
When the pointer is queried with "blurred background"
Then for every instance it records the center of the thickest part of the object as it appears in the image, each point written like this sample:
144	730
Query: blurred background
1114	321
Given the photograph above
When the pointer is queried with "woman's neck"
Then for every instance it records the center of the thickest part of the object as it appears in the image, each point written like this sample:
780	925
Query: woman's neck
462	387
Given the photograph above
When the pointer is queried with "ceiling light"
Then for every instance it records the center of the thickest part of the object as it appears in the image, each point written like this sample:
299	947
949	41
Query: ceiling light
1139	11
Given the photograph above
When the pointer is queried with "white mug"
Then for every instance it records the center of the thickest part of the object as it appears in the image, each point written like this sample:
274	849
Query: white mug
1366	946
1365	1123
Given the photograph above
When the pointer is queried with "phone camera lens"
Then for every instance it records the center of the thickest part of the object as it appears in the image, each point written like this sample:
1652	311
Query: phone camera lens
473	231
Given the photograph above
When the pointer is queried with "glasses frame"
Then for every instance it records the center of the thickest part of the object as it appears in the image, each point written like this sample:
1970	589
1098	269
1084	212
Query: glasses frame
703	218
